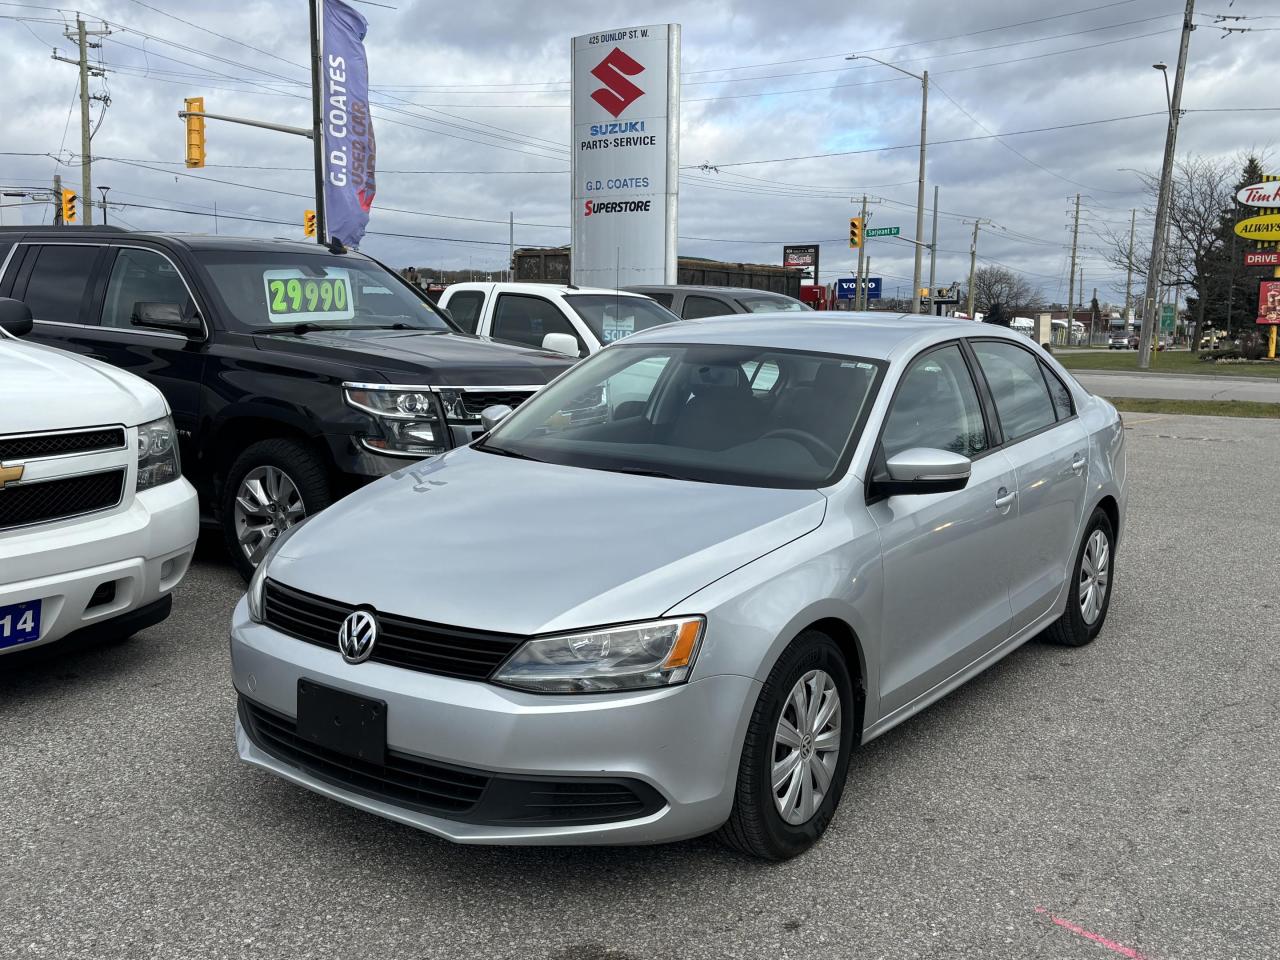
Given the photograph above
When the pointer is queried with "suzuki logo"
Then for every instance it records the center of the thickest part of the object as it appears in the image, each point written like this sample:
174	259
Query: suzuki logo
357	636
619	92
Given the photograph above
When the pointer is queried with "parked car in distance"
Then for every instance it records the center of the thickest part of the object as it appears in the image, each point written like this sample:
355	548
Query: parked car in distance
743	581
1118	341
695	302
294	374
97	524
575	321
1134	341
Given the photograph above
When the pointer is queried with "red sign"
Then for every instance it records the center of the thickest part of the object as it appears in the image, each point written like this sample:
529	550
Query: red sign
618	92
1262	258
1269	301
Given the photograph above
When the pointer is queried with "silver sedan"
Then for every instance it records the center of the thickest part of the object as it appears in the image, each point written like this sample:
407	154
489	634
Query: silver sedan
674	590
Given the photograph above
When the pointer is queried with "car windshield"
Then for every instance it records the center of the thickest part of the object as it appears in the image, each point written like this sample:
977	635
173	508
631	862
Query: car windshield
264	290
764	303
708	412
612	318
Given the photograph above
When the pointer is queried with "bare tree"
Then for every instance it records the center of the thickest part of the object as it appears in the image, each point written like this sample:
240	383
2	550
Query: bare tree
1000	287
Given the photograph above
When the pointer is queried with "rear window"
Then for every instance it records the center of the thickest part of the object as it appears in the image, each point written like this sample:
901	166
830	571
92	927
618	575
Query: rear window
765	303
464	307
55	290
612	318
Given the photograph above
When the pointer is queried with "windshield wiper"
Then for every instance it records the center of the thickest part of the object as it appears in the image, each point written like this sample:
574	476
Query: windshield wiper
640	472
310	327
505	452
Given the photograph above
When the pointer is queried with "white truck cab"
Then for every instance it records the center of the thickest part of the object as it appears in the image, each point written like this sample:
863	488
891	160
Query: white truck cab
576	321
97	524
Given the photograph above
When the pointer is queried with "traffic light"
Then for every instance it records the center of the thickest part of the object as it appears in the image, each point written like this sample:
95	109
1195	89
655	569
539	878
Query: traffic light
309	223
855	233
68	206
195	132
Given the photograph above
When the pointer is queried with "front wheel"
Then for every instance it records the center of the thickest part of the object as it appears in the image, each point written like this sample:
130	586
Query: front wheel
796	754
271	486
1089	591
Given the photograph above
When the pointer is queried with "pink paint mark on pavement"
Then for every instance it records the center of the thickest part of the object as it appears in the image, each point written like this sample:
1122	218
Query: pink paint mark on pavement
1097	938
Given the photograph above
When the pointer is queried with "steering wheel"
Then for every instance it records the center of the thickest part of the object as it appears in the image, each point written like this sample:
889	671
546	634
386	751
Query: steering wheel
806	440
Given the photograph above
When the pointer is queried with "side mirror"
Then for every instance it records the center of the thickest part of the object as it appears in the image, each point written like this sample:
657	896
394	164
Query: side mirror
925	470
560	343
15	317
165	316
490	417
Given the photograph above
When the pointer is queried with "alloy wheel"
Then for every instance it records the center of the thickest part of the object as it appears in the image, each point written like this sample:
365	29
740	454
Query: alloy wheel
1095	574
267	504
806	747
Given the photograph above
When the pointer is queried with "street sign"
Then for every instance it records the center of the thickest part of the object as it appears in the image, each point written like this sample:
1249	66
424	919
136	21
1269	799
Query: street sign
1167	316
882	231
804	256
846	288
1262	258
1265	194
1269	302
1257	228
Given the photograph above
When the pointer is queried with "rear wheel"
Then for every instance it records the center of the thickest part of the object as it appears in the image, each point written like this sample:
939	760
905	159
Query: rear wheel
796	754
1089	595
271	486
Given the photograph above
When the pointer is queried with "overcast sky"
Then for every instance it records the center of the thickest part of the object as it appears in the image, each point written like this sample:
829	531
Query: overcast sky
476	95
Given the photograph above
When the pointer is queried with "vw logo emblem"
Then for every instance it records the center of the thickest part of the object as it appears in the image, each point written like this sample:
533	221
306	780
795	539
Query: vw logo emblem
357	636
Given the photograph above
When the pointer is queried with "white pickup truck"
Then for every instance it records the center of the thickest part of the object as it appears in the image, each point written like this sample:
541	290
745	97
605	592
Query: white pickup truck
97	524
575	321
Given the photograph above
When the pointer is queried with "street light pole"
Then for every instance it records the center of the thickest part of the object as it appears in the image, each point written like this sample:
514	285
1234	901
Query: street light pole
1156	268
924	126
103	191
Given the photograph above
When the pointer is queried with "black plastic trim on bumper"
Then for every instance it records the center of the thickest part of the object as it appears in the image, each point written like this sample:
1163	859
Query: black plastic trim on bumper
124	625
502	801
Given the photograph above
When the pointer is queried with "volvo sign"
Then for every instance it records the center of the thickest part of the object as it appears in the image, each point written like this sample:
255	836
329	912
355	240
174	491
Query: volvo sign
625	155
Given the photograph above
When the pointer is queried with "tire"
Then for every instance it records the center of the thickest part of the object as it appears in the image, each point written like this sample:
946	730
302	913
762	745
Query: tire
305	490
756	826
1074	628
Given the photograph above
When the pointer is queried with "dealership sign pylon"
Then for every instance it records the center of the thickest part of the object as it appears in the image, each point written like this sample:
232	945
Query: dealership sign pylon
626	155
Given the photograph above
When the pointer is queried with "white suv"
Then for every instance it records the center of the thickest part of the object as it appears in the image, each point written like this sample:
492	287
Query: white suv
575	321
97	525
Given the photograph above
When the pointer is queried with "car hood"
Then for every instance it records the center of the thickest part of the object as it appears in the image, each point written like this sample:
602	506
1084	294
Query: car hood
437	359
478	540
42	388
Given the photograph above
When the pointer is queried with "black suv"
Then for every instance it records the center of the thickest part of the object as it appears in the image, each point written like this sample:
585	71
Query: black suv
295	374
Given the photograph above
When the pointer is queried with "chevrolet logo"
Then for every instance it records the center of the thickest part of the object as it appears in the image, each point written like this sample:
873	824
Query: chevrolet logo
10	474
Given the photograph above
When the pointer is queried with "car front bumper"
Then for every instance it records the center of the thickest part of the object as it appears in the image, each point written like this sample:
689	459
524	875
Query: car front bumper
683	742
142	550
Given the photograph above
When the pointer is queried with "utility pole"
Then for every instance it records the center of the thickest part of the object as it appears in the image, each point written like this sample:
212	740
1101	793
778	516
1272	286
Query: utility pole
1156	267
81	36
1071	277
57	199
924	115
511	245
862	249
1073	319
1128	277
933	244
866	276
973	264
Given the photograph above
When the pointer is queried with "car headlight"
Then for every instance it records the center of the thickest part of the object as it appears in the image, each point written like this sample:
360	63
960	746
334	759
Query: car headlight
410	419
258	582
654	654
157	453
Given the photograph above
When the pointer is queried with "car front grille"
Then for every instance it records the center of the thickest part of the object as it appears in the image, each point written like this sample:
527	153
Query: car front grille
458	793
403	779
32	445
23	504
402	642
474	402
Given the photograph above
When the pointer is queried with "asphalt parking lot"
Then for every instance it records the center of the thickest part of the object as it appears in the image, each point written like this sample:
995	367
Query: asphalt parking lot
1117	800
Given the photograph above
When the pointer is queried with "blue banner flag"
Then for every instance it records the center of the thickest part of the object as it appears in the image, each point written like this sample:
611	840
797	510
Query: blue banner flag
349	149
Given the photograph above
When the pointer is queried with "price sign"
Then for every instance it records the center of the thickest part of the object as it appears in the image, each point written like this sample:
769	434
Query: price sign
295	297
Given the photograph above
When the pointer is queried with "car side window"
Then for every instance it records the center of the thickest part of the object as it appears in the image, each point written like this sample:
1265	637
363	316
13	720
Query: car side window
465	308
55	290
1058	392
936	406
520	318
137	277
1017	387
695	307
663	298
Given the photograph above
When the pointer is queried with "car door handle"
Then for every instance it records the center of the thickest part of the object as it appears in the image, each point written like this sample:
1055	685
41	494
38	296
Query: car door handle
1079	463
1005	499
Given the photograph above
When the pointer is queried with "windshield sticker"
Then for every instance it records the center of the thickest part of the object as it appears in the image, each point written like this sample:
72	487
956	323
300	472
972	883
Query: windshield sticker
615	328
295	297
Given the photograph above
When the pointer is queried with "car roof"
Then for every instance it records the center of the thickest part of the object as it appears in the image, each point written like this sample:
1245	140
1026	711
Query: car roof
191	241
875	336
702	288
517	286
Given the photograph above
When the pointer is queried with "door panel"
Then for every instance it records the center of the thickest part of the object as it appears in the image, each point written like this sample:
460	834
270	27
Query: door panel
946	580
1051	492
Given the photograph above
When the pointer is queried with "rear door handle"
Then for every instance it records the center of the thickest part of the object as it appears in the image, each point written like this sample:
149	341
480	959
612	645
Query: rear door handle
1005	499
1079	463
